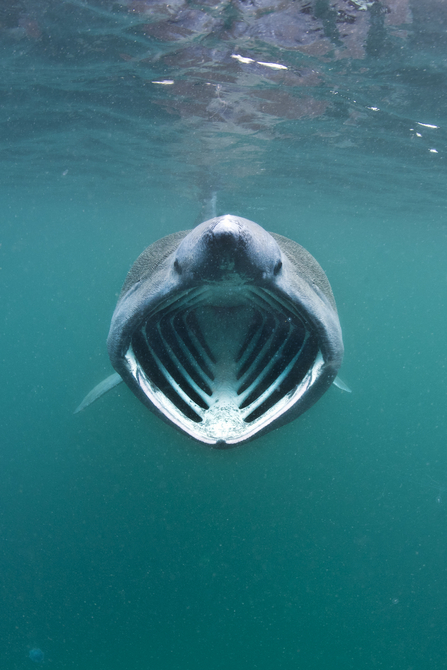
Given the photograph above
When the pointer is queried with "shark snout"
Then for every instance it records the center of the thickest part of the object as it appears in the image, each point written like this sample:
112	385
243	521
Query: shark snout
228	249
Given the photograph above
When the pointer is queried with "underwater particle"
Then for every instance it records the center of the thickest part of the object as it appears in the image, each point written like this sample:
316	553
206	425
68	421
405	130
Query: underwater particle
36	655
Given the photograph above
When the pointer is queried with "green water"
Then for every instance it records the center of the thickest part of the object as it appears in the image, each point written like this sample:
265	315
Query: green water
124	545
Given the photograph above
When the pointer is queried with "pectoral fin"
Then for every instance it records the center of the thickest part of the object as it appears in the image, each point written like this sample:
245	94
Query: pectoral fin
339	383
99	390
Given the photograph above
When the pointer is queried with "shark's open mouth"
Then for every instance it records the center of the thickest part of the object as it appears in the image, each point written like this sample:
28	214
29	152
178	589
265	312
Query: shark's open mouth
222	363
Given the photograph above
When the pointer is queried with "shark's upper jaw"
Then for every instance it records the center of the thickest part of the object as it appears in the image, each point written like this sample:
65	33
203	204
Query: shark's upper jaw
224	362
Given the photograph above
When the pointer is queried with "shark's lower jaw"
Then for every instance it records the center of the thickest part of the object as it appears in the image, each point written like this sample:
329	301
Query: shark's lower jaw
223	365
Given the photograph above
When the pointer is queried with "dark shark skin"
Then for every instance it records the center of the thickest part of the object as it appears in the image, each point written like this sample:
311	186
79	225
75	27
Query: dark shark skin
226	331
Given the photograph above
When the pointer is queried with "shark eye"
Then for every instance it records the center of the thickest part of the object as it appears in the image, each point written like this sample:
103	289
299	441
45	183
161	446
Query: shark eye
277	267
177	267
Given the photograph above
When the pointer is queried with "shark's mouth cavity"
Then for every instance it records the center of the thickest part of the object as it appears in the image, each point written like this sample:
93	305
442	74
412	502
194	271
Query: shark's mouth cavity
224	363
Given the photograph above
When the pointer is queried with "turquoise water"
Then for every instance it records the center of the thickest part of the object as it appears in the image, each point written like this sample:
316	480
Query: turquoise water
125	545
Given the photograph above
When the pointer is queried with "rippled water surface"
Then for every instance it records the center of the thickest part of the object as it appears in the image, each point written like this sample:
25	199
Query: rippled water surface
124	544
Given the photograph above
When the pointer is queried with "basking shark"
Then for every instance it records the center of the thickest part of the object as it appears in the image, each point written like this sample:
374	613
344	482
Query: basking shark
225	331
